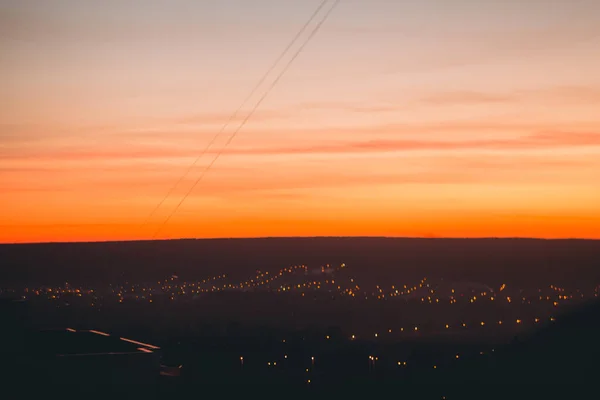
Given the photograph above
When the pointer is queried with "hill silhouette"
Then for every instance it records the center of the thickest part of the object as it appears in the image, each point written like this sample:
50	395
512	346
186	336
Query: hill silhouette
513	261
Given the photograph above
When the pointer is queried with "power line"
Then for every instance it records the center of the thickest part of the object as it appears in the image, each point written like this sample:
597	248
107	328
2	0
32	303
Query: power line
258	103
236	112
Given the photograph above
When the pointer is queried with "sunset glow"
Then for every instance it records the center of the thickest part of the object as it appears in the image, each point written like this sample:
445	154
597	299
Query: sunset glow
433	118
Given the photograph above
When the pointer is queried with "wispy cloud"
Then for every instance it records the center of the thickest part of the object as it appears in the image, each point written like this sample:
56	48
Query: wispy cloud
346	106
229	117
556	94
468	98
568	94
463	48
540	140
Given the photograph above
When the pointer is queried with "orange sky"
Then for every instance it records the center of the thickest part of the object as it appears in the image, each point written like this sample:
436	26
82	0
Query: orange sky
398	120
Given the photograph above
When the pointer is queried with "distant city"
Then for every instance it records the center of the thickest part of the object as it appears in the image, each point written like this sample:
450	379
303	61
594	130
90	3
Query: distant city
452	307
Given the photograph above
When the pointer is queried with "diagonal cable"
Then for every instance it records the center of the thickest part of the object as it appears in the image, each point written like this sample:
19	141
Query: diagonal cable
258	103
236	112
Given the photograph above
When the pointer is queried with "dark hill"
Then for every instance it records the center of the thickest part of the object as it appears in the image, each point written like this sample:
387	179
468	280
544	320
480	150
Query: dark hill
519	261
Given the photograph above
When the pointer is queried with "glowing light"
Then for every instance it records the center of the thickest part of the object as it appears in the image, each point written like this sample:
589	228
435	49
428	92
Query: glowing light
140	343
144	350
99	333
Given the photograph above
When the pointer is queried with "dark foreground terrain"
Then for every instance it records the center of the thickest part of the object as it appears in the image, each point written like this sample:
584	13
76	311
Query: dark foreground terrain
559	360
72	304
519	262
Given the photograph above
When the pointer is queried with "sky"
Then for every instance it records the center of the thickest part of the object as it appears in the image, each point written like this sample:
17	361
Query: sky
431	118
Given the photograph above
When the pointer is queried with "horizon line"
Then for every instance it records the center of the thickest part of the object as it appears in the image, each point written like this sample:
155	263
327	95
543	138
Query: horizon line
304	237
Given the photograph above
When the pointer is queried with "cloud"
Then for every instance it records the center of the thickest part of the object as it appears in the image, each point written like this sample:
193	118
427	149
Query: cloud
22	189
468	47
512	163
287	187
564	94
541	140
569	94
468	98
228	117
556	217
362	107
